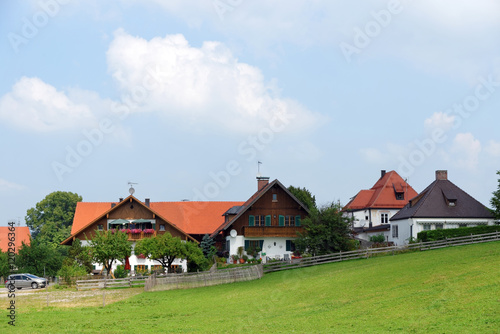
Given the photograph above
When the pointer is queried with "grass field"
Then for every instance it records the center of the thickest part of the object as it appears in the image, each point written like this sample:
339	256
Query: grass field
454	290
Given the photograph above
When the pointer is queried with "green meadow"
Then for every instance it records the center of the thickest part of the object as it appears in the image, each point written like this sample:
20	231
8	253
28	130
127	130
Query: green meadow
453	290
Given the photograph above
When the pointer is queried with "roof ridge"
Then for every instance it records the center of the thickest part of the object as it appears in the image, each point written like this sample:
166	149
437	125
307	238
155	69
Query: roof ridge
426	192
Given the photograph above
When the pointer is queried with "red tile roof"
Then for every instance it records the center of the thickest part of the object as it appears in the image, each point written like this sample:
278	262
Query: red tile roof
383	194
190	217
22	235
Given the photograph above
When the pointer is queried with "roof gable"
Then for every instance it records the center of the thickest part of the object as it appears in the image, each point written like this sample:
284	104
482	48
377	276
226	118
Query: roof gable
383	194
434	202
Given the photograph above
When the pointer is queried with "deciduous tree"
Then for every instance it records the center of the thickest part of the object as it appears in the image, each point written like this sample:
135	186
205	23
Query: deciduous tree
305	196
38	257
109	246
495	200
163	248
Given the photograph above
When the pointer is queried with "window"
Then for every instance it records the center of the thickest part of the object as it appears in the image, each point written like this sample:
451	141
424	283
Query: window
384	218
289	221
290	246
228	246
140	267
452	203
162	227
100	227
254	244
427	227
439	226
400	196
259	220
395	231
275	197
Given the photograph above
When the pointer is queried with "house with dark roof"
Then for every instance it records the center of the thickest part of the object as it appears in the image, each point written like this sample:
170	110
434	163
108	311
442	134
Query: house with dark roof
372	209
441	205
186	220
268	221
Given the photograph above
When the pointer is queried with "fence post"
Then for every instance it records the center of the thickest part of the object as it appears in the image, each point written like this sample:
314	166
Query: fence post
340	256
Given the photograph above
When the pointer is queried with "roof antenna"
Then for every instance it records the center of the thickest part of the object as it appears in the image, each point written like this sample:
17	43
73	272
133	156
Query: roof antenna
131	190
258	168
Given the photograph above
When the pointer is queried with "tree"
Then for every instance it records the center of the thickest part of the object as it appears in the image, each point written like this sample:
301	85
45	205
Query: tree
495	200
195	257
163	248
207	246
305	196
52	217
4	265
109	246
79	256
38	258
325	231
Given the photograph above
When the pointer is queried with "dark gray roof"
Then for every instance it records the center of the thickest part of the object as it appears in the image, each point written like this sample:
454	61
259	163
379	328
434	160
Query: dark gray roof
434	202
234	210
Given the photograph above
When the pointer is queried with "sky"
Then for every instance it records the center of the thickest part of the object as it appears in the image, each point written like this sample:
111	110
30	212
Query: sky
186	97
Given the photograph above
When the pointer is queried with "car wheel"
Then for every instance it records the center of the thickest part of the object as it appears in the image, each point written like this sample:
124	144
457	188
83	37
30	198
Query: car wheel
34	285
19	288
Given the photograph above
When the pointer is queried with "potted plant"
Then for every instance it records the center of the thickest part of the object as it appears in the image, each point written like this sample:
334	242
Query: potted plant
244	259
235	258
240	251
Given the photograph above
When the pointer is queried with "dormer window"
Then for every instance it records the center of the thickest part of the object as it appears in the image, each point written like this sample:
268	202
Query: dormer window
452	203
400	196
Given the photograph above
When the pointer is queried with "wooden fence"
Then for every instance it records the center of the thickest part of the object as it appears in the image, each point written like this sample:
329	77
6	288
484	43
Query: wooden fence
370	252
206	278
127	282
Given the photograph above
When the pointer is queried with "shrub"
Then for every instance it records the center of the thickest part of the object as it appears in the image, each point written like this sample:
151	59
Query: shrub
69	273
455	232
120	272
377	238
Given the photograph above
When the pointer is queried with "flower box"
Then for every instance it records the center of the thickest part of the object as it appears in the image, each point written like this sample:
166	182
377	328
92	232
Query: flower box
149	231
136	231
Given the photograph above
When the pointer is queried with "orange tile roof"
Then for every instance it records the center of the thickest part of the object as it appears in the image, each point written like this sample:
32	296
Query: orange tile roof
190	217
22	235
383	194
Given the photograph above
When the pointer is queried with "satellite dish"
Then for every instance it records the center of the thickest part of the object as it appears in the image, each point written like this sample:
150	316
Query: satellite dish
131	191
233	233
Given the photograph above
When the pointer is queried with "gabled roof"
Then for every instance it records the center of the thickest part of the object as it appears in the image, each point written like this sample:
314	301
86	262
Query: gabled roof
383	194
434	201
188	217
22	235
254	198
89	213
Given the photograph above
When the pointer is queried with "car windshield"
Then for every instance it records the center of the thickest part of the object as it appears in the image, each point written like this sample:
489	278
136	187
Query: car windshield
32	276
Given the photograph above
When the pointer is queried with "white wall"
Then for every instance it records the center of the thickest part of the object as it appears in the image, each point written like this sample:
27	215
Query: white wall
272	247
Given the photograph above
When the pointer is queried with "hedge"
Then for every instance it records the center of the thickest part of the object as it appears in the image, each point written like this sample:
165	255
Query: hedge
441	234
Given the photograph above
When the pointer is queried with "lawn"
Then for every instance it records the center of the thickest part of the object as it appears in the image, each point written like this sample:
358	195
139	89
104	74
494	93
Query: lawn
454	290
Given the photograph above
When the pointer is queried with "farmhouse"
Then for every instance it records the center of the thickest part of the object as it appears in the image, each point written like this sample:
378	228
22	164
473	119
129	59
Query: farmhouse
371	209
267	222
186	220
22	235
441	205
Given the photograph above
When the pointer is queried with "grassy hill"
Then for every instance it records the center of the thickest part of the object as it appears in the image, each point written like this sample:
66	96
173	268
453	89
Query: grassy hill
454	290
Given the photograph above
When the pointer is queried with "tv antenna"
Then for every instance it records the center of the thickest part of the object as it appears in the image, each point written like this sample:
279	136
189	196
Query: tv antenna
258	168
131	190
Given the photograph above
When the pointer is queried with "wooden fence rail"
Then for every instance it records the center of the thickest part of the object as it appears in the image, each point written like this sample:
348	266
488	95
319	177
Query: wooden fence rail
127	282
369	252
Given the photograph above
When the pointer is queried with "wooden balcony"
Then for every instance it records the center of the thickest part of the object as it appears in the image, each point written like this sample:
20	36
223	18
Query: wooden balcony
272	231
139	236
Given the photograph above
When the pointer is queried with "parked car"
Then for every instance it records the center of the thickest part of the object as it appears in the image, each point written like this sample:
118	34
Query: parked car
25	281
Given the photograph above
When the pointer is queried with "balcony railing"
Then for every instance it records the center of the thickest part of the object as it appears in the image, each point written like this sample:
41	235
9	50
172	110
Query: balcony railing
272	231
138	236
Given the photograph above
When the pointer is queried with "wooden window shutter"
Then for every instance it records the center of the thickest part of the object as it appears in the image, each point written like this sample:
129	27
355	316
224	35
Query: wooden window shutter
288	245
268	220
261	243
247	244
282	220
297	220
251	220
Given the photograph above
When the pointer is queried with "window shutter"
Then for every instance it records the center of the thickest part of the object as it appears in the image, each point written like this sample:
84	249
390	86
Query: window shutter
297	220
154	226
261	243
288	245
282	220
247	244
251	220
268	220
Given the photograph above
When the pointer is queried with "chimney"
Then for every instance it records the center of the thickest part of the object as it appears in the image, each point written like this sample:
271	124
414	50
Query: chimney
382	173
113	205
146	201
441	175
262	181
120	199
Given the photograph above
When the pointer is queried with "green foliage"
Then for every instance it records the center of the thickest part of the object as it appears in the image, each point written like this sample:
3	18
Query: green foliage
195	259
108	246
4	264
163	248
206	246
377	238
79	255
441	234
37	256
327	231
69	273
51	219
495	200
305	196
120	272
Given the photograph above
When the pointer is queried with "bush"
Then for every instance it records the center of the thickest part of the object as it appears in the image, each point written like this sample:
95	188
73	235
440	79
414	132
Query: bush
69	273
455	232
120	272
377	238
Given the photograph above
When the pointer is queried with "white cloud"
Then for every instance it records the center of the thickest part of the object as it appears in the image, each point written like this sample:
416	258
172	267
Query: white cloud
466	150
200	86
10	186
493	149
37	106
439	120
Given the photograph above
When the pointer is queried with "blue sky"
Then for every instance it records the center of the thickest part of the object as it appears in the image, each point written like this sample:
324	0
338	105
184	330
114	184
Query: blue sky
184	97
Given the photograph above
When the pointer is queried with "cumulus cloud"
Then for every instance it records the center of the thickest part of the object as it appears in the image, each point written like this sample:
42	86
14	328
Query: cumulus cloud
10	186
200	85
466	150
439	120
35	105
493	149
